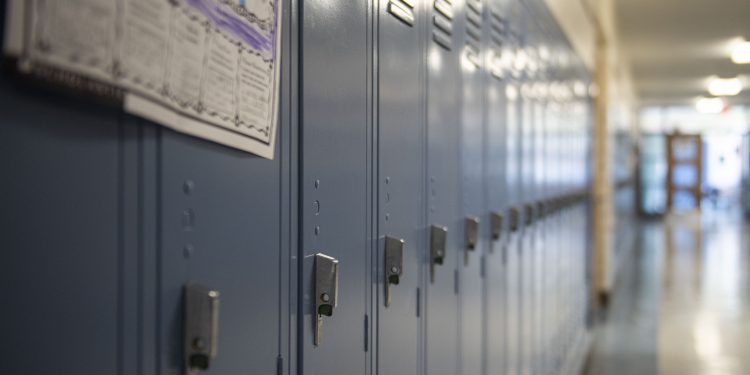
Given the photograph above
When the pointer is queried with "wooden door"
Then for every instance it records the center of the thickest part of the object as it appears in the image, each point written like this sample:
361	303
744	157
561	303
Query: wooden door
684	173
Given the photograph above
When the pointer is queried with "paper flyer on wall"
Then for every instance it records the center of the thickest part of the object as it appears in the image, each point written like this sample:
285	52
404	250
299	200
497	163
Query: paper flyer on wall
208	68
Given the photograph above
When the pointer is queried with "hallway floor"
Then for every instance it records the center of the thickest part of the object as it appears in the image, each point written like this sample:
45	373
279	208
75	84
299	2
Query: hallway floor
681	306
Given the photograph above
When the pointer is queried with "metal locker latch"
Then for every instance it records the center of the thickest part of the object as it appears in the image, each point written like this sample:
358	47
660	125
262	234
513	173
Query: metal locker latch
394	264
326	290
438	236
471	234
201	326
529	214
496	225
514	219
541	210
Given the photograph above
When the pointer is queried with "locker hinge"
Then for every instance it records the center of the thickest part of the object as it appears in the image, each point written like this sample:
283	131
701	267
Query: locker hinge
367	333
280	365
455	281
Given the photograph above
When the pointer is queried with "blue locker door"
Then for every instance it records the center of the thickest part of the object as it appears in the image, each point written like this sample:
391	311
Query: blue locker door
541	225
527	197
514	163
512	180
400	183
472	167
547	265
495	312
556	169
527	256
220	215
334	182
443	185
539	190
61	244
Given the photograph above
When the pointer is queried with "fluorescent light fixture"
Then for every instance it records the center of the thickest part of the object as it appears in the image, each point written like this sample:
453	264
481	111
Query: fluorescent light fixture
741	52
724	86
710	105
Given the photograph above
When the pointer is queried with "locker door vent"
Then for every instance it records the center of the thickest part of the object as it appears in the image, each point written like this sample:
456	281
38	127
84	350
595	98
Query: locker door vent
497	30
443	23
497	27
473	30
403	10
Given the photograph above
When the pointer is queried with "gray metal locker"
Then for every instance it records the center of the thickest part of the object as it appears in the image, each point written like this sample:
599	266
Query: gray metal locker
495	305
335	187
445	224
547	264
220	229
537	181
526	194
140	212
512	178
474	213
400	215
112	216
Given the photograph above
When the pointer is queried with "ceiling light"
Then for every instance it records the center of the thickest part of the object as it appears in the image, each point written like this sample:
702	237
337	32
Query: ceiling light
724	86
710	105
741	52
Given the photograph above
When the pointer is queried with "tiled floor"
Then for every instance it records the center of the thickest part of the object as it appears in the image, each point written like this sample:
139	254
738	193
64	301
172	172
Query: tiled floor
682	306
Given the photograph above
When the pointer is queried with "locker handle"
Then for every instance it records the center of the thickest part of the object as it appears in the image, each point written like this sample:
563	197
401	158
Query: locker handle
394	265
326	290
514	219
438	236
529	214
496	225
201	326
471	236
541	210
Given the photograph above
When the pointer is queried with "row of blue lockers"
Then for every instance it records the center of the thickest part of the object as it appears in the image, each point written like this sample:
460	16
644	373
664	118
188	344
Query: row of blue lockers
426	210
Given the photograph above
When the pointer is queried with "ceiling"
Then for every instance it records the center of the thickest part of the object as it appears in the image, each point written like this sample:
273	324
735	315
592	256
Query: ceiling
674	46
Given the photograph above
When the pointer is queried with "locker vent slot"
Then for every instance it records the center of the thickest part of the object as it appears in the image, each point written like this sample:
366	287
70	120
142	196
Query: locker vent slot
443	23
497	27
497	30
473	30
403	10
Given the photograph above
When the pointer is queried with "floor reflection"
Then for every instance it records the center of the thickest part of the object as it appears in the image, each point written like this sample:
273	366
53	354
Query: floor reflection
681	306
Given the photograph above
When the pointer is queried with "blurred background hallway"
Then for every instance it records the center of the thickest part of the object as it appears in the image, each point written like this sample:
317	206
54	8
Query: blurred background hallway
680	305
